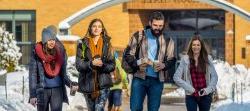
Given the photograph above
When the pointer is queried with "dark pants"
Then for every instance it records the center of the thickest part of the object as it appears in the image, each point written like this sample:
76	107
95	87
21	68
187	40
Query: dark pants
151	87
115	97
203	103
97	104
53	98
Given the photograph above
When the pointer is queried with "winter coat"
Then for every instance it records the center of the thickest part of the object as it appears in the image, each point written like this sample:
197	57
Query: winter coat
85	67
182	76
37	75
165	53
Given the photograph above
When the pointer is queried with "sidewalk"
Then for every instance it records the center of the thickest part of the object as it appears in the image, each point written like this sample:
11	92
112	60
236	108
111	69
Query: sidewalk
163	107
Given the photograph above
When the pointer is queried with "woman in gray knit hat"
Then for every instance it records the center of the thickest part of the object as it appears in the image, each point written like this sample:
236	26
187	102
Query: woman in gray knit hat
47	74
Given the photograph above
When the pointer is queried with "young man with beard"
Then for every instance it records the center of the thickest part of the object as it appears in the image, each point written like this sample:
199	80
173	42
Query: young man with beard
47	74
151	54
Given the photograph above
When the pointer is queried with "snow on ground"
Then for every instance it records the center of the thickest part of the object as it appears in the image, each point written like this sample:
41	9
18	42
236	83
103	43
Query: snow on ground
229	105
15	91
17	102
228	76
2	72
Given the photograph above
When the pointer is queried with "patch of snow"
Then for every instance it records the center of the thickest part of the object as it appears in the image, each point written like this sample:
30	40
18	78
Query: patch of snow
2	72
233	85
68	37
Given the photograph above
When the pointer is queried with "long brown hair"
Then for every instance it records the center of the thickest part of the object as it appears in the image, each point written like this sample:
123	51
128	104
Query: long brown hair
49	51
203	57
89	33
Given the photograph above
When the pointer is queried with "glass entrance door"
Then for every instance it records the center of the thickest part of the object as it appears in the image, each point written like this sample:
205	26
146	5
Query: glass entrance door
210	24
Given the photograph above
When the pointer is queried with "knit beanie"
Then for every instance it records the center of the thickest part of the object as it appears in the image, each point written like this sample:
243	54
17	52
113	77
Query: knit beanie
47	35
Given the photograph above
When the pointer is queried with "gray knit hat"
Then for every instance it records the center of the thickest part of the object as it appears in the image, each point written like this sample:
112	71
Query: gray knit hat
52	28
47	35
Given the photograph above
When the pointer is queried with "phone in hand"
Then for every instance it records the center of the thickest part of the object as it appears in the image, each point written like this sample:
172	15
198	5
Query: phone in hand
201	92
72	92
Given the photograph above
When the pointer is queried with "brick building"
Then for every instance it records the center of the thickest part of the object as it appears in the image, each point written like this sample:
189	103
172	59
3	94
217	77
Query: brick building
224	32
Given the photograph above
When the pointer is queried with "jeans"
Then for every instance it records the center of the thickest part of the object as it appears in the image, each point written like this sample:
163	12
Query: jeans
97	104
115	97
151	87
203	102
52	97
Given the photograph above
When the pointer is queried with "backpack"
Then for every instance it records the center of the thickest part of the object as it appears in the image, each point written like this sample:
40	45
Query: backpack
127	68
116	76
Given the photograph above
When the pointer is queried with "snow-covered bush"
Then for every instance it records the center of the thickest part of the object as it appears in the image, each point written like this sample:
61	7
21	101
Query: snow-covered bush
9	51
71	67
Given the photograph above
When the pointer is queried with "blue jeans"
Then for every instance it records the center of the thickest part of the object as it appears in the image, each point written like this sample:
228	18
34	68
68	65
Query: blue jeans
203	102
151	87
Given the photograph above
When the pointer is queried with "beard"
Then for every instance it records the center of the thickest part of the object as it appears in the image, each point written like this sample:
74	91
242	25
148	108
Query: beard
157	32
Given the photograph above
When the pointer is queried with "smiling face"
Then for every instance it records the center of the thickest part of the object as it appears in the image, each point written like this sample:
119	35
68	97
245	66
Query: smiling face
96	28
196	47
51	43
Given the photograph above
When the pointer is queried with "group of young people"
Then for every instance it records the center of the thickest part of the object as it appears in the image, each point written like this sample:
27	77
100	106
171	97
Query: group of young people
102	76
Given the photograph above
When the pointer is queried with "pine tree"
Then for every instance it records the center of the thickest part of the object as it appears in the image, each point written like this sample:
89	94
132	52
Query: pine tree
9	51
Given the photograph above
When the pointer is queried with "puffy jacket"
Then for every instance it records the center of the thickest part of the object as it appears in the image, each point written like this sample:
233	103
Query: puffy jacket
85	67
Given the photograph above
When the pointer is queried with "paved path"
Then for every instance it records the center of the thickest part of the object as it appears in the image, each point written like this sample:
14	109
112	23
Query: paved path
163	107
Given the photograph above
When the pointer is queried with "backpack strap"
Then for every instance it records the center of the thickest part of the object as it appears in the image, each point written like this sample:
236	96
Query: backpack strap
139	39
84	47
83	50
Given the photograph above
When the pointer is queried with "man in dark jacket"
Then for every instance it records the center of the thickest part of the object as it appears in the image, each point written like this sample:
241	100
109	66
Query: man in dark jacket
47	74
151	54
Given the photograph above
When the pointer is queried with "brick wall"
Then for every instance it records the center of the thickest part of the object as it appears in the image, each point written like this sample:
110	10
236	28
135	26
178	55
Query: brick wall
51	12
122	21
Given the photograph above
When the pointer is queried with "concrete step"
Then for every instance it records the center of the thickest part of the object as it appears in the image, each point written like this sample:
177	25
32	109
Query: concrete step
172	99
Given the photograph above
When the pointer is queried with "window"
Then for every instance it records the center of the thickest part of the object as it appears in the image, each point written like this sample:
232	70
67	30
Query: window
22	25
243	53
196	20
182	24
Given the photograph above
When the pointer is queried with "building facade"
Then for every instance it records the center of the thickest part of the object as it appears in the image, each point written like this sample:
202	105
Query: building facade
224	32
